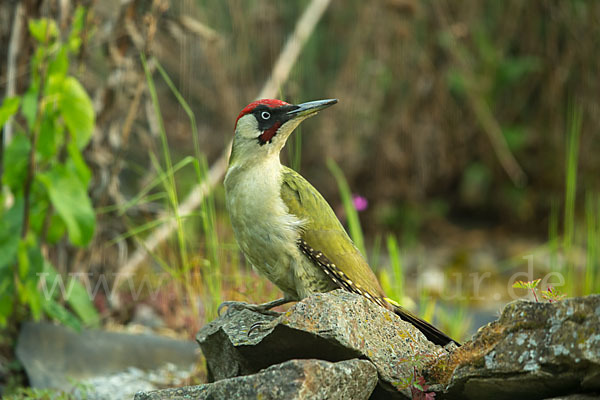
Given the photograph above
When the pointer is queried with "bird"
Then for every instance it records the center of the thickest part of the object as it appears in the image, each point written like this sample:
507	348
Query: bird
284	226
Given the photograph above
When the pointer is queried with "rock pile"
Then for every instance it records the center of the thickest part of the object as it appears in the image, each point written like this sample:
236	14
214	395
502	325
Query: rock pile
338	345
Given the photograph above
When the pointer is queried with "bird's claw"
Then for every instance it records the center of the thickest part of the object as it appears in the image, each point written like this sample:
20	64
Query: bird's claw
255	326
227	304
262	325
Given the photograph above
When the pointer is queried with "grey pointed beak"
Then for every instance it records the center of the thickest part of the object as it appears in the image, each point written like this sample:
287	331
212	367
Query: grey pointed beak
310	108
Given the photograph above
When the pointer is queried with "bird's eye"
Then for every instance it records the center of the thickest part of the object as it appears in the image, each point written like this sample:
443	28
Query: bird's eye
265	115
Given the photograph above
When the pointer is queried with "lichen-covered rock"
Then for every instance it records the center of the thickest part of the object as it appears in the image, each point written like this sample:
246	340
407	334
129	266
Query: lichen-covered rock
534	351
330	326
296	379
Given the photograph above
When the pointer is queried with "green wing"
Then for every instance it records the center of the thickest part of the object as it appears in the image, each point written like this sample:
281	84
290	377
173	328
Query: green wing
324	232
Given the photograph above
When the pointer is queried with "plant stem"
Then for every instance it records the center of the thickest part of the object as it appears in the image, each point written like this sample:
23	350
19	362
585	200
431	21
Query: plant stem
34	138
31	163
534	295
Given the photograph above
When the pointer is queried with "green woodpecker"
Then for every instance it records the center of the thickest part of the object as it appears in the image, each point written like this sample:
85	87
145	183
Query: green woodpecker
283	225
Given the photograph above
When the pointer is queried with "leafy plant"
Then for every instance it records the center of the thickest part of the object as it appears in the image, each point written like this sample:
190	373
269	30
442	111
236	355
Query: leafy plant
415	381
420	390
530	285
550	294
44	181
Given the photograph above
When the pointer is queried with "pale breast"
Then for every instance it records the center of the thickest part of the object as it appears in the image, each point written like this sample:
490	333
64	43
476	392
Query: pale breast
265	231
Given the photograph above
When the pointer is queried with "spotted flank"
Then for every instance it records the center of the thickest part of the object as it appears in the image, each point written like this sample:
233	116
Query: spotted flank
337	275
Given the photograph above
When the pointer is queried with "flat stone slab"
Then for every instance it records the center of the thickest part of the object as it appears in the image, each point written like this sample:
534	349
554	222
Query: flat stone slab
57	357
294	380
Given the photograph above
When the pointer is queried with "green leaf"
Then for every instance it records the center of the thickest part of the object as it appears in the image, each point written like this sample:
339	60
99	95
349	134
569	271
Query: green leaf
56	229
6	298
38	209
81	303
7	260
37	59
526	285
34	298
16	160
23	260
50	281
43	29
54	88
77	164
31	260
74	41
30	263
30	105
69	197
51	135
519	285
59	66
78	298
10	106
11	221
61	314
76	109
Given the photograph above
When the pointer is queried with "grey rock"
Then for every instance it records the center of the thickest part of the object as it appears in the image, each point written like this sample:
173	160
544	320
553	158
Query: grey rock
296	379
534	351
330	326
57	357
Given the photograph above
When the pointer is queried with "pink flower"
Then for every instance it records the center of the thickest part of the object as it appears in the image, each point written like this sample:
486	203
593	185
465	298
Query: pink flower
360	203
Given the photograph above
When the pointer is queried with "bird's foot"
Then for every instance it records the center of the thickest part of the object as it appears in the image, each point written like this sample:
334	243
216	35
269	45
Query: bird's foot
259	308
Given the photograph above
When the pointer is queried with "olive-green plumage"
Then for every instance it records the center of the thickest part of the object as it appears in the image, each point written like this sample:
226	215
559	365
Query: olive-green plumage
323	231
285	228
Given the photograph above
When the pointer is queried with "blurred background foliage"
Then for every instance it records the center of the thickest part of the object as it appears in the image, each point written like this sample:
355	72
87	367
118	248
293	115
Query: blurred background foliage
453	127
